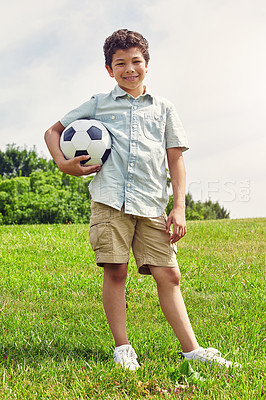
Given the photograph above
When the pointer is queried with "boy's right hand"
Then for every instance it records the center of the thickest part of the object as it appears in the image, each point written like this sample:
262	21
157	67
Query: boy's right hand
73	166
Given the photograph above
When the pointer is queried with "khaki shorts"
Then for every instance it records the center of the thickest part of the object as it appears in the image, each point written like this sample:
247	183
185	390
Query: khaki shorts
112	233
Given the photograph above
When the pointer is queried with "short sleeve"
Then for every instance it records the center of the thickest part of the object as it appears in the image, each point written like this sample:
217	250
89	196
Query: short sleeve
85	110
174	130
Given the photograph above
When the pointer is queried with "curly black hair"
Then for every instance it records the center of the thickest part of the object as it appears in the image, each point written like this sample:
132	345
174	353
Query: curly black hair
124	39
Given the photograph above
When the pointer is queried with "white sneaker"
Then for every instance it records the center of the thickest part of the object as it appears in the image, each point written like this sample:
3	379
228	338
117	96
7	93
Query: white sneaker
126	356
211	355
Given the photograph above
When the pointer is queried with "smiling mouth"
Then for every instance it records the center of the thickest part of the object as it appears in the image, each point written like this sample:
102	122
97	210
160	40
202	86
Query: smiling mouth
130	78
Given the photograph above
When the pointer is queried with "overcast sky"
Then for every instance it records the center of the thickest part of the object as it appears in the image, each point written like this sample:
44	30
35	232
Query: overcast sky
207	56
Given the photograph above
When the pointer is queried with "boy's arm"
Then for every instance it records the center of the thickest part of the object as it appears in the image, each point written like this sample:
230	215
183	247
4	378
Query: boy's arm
73	166
178	179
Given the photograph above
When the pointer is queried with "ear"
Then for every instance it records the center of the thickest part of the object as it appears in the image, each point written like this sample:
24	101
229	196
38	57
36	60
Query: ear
146	66
110	71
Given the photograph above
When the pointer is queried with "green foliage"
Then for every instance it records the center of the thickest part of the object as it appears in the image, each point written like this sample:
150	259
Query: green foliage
44	197
200	211
22	162
185	374
33	190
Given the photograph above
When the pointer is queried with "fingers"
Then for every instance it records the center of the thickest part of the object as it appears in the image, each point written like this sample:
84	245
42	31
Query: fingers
178	233
87	169
81	159
74	166
179	228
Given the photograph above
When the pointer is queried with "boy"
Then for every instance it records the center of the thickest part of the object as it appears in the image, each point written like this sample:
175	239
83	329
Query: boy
129	193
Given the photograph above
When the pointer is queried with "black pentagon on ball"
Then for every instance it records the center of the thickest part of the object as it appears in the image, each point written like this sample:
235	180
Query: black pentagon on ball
68	134
94	133
106	154
82	153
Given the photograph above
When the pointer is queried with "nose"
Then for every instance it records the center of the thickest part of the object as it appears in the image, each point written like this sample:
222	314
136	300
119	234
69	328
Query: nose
129	68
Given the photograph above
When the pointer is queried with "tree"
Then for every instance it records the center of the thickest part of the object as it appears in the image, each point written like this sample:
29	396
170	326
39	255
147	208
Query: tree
22	162
198	210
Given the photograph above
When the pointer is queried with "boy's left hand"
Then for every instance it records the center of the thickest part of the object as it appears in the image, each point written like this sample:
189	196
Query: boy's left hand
178	221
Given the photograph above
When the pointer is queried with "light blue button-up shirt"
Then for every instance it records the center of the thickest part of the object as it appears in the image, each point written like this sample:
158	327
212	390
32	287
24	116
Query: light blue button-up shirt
141	128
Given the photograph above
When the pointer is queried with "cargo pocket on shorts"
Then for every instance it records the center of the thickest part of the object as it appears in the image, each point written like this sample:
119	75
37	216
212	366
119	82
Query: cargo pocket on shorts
101	237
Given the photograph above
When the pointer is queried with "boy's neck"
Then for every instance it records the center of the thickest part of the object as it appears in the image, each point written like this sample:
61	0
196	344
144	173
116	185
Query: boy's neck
135	93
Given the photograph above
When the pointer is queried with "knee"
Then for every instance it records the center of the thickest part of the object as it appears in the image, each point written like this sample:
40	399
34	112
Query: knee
174	276
168	277
117	273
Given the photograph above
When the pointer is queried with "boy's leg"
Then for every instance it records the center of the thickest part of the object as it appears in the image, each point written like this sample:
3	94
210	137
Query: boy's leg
111	233
114	301
173	306
174	309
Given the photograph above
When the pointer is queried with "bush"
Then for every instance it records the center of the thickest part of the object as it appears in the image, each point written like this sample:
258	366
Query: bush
44	197
53	197
34	191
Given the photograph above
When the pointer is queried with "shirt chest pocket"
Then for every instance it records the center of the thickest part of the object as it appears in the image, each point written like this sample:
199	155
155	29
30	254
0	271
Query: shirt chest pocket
154	126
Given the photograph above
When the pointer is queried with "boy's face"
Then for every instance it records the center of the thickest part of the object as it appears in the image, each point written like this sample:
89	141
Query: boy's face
129	69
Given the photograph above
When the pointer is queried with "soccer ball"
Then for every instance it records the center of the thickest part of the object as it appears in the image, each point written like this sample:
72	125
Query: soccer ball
86	137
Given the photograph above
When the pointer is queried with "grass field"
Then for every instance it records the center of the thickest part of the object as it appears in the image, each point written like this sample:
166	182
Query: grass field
55	342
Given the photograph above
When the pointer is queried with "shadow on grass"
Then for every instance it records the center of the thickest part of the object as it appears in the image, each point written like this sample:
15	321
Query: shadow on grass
38	354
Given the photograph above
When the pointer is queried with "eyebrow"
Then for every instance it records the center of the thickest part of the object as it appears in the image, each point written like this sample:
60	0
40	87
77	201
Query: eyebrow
122	59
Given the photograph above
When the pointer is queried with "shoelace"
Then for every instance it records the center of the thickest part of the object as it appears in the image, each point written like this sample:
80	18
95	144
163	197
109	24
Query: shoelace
131	357
131	361
212	354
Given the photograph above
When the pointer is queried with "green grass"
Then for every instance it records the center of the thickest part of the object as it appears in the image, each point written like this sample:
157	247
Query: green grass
55	342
